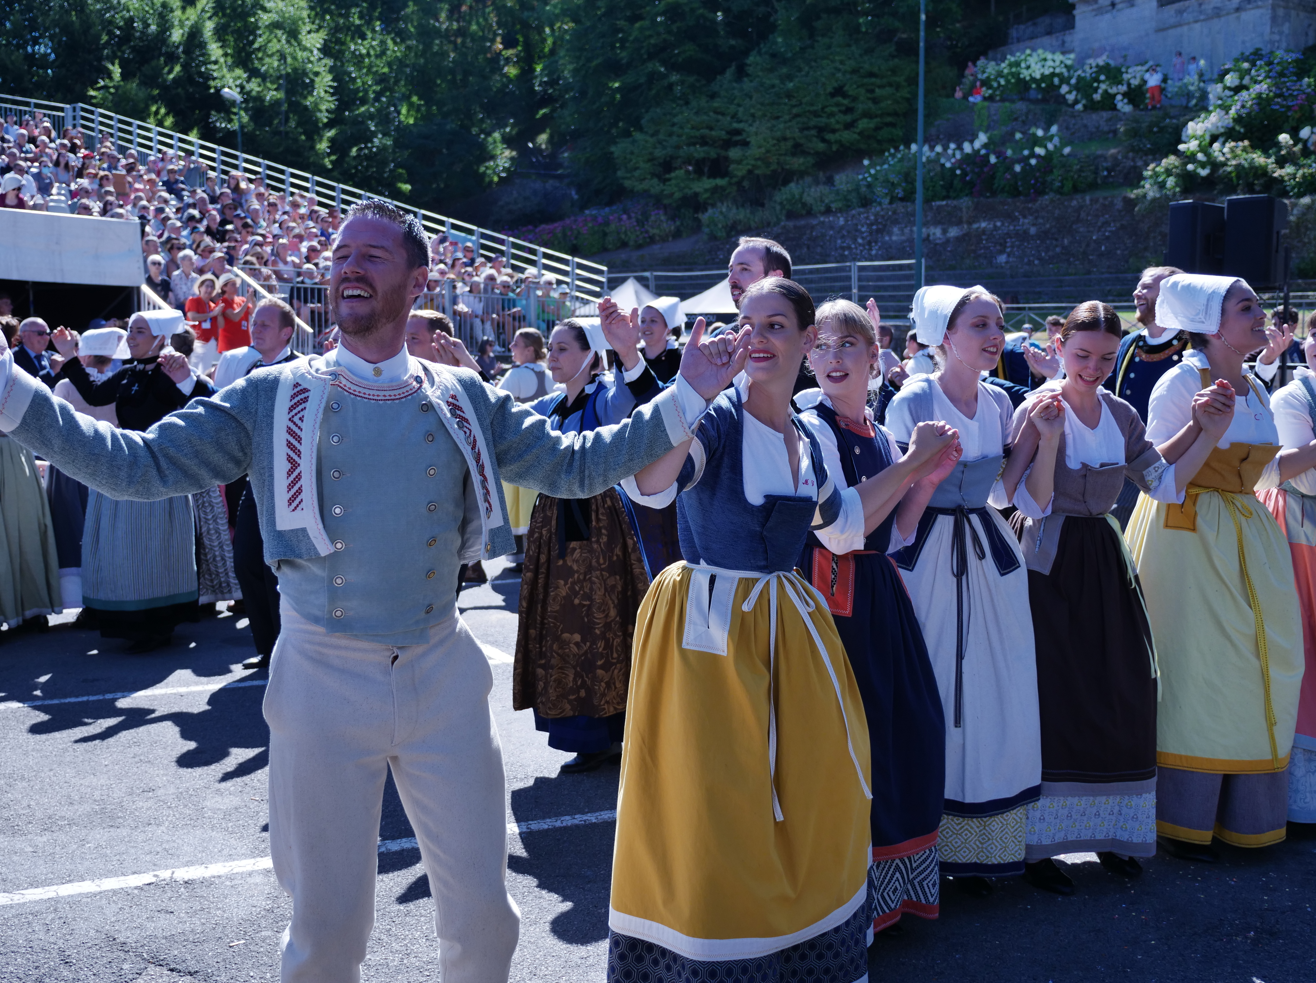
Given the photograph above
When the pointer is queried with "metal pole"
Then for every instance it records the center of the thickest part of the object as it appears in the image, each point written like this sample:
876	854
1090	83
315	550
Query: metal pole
854	281
918	166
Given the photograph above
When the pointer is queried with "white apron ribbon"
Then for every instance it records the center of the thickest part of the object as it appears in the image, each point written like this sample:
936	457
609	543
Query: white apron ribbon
800	593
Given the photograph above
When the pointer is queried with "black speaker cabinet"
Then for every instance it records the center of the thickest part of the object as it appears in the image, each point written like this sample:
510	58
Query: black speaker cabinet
1254	238
1197	237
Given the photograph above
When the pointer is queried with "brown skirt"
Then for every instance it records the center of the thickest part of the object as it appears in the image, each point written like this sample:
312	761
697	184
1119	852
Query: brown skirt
581	590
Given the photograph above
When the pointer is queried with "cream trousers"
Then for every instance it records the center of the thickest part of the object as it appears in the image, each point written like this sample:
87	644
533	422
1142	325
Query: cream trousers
341	712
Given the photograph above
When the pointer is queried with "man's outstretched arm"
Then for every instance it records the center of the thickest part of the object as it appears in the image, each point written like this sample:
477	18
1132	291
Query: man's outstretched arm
205	444
532	455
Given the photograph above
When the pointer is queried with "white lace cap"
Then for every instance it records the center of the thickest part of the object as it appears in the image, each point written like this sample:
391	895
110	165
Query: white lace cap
160	322
931	310
1192	301
670	309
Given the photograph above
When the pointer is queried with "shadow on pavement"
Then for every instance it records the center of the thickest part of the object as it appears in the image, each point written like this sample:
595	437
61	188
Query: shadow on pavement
573	862
67	662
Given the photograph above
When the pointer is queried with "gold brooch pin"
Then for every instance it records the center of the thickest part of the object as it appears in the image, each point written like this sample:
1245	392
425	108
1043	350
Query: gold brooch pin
378	371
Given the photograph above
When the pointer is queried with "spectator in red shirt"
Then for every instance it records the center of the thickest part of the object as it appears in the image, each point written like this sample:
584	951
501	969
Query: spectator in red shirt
234	329
202	313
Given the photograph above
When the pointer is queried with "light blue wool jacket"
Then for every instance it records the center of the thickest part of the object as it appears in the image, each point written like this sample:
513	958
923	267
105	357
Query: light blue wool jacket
267	426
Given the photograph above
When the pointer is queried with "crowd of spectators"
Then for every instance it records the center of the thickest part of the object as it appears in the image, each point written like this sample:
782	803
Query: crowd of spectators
196	224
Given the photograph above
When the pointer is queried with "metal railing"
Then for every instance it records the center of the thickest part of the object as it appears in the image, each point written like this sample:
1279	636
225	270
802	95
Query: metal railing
584	278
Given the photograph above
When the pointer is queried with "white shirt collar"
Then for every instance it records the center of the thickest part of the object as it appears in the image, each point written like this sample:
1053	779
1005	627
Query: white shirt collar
287	350
1167	334
390	370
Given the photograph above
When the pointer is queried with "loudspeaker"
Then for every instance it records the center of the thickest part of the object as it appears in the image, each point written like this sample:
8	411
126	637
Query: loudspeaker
1254	234
1197	236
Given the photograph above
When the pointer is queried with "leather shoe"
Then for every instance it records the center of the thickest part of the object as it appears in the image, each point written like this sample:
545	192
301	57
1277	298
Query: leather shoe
974	887
1202	853
1044	874
1123	866
589	762
259	662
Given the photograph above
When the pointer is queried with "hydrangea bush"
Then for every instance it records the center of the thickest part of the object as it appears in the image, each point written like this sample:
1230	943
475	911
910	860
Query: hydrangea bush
1098	84
1009	164
1256	137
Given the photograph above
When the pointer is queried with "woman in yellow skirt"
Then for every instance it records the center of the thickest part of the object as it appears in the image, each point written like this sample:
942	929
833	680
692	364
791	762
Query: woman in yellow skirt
742	848
1219	585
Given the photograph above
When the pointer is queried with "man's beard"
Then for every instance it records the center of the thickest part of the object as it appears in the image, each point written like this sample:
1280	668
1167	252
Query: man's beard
390	307
1147	316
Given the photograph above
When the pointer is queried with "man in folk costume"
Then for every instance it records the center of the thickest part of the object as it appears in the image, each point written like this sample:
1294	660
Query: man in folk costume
374	669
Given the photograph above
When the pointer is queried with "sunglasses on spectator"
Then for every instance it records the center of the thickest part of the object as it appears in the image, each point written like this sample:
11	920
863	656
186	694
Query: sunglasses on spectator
39	334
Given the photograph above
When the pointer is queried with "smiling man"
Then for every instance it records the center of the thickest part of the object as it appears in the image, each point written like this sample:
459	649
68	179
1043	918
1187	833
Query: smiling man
376	475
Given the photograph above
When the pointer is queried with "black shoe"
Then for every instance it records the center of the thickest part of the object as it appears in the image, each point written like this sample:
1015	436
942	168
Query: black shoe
1044	874
86	620
475	574
144	645
259	662
39	623
1201	853
1123	866
589	762
974	887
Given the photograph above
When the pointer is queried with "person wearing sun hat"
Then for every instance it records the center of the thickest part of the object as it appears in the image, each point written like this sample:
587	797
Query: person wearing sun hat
1219	582
139	563
966	578
204	311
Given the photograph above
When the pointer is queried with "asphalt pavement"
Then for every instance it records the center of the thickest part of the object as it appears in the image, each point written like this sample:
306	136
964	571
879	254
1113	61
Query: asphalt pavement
134	847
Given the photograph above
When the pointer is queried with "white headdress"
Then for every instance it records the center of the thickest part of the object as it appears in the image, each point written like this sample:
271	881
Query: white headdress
161	322
1192	301
105	342
932	308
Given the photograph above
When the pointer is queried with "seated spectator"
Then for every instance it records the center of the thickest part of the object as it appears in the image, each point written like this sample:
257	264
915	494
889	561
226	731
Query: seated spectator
486	360
306	296
11	186
184	282
31	355
157	282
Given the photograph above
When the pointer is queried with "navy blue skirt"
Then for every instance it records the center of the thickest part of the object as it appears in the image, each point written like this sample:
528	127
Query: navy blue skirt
906	726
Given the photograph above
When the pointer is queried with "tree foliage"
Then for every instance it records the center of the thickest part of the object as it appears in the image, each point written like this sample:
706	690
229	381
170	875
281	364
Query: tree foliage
689	102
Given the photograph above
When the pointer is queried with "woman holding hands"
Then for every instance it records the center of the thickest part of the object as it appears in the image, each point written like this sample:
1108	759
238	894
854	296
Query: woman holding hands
1096	662
1219	582
874	616
966	578
743	838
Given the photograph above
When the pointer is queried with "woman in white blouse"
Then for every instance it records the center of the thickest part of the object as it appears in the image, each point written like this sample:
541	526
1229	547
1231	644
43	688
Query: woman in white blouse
1294	505
1219	585
966	577
1096	664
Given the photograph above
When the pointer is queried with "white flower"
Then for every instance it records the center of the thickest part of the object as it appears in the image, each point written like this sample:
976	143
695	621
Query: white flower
939	149
1066	151
1018	168
1040	151
967	146
991	158
1018	135
1055	128
1304	133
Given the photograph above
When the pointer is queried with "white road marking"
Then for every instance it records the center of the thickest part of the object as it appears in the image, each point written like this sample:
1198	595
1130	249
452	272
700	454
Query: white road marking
495	657
181	874
163	691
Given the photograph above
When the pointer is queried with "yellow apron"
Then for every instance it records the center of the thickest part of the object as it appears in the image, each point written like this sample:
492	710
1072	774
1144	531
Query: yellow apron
743	814
1224	612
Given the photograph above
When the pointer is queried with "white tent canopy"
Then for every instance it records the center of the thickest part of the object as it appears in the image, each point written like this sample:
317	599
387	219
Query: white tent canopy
715	300
631	293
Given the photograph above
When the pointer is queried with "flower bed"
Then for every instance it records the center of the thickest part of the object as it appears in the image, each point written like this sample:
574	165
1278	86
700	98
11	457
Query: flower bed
1246	140
1018	164
1098	84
